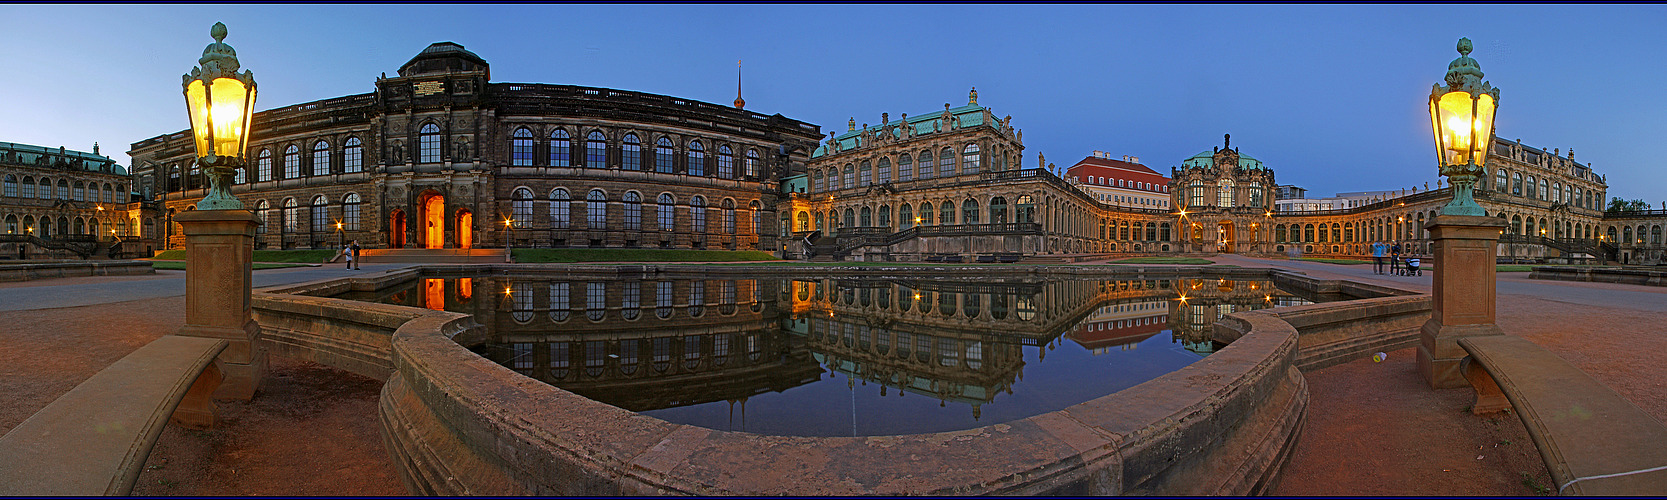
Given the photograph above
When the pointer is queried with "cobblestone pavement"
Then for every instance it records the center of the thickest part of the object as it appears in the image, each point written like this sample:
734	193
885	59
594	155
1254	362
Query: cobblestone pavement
1377	429
1372	428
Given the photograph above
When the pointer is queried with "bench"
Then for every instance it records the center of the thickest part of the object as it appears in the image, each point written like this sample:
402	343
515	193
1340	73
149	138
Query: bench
94	439
986	259
1593	441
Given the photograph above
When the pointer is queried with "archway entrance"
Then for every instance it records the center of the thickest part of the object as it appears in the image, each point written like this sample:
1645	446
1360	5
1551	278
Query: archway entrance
396	229
1225	236
431	215
465	229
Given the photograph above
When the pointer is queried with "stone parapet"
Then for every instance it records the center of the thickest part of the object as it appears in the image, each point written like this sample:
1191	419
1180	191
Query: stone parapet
1648	277
27	271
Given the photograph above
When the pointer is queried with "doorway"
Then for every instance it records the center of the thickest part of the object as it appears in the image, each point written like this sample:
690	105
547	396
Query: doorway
465	229
396	229
431	212
1224	234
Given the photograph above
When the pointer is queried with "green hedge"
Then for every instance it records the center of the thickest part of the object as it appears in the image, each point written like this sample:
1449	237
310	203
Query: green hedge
542	255
180	265
306	256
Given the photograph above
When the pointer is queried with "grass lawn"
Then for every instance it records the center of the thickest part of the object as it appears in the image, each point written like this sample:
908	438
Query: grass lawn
306	256
179	265
1333	261
543	255
1191	261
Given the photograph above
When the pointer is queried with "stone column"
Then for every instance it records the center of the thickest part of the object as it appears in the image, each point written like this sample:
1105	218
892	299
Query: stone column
219	251
1464	290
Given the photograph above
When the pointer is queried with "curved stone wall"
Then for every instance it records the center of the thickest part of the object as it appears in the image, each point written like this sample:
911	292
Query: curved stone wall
458	424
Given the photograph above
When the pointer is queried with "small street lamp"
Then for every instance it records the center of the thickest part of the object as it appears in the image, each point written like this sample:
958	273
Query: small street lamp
341	237
221	102
1461	113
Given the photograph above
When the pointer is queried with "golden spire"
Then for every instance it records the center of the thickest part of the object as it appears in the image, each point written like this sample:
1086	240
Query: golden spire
739	102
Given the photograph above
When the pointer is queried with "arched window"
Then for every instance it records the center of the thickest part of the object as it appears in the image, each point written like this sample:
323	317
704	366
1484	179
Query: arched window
697	213
81	226
560	203
28	186
1024	209
263	165
850	176
1626	234
321	158
428	144
521	147
697	159
905	168
29	225
926	169
1516	184
865	217
1530	227
865	174
802	221
263	213
350	212
885	216
998	210
729	216
752	163
353	156
521	208
946	213
631	152
757	218
633	211
946	162
1545	190
662	155
292	216
905	216
80	191
1500	182
292	162
926	214
1516	224
1195	194
1163	232
833	178
11	187
1557	193
110	194
969	212
596	209
1254	192
969	159
11	224
816	180
884	170
1224	193
726	162
63	190
665	203
46	186
561	148
596	150
851	219
321	213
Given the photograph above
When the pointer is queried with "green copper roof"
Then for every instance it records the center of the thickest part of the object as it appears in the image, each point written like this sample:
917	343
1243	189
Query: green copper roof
1205	159
970	115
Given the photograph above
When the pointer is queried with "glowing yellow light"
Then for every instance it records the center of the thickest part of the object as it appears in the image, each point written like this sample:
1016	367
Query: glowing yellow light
917	296
506	290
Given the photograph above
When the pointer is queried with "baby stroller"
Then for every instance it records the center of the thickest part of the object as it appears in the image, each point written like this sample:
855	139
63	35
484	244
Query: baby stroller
1412	267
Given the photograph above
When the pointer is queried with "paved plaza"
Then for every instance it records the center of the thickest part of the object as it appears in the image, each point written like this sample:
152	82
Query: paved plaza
1372	428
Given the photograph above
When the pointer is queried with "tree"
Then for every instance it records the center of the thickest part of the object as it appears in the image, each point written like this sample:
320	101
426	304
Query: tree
1616	204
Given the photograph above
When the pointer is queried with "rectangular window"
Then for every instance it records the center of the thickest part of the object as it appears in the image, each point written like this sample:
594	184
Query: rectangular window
665	217
521	213
697	215
321	162
631	156
350	216
596	214
353	159
596	300
29	188
321	217
429	148
633	216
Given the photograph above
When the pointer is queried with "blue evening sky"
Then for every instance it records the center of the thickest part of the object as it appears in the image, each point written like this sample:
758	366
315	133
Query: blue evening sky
1332	97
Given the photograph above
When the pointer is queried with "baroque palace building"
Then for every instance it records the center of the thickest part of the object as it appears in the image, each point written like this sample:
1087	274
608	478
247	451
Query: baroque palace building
442	157
61	203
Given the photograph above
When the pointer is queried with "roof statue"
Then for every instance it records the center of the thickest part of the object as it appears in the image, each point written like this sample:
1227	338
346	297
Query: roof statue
972	97
851	126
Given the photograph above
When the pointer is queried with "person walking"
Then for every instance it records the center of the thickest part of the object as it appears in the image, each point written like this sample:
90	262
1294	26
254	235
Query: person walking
1395	259
1378	251
353	254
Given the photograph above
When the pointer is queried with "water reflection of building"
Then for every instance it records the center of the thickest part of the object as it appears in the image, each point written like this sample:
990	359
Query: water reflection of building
1201	302
1121	325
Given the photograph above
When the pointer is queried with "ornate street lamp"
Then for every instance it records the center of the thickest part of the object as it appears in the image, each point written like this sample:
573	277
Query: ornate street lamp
220	101
1461	114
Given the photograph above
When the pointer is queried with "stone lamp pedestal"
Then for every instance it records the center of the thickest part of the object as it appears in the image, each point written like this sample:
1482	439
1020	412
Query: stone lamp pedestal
219	251
1464	290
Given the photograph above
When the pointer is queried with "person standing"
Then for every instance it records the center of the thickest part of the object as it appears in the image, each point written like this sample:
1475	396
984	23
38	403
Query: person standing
1395	259
353	254
1378	251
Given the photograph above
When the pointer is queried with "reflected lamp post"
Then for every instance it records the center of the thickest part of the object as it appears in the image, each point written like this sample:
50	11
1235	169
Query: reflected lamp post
1461	114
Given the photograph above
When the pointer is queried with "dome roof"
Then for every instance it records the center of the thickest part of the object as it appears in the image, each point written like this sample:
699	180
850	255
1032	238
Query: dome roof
441	57
1206	159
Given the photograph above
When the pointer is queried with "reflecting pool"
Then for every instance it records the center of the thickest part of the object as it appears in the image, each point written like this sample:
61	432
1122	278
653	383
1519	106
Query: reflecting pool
841	356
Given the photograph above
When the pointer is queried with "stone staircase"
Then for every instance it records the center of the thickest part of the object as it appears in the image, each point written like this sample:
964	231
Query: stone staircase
432	255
